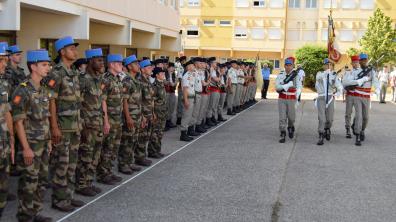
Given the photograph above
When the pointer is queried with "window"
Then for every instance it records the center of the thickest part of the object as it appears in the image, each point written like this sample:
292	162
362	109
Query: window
240	32
173	4
257	33
275	62
294	3
225	23
346	36
131	51
325	34
8	36
310	3
209	22
274	33
242	3
259	3
348	4
181	3
367	4
276	3
309	35
330	3
192	31
49	45
193	2
293	35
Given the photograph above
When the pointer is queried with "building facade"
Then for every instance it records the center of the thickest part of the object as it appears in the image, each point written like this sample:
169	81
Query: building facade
147	28
274	29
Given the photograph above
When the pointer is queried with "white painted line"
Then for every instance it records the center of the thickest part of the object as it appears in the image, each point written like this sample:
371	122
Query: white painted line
149	168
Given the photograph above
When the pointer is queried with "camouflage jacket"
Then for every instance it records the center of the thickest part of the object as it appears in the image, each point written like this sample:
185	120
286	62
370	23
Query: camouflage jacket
65	85
133	93
15	77
91	105
160	108
112	93
32	105
4	108
147	97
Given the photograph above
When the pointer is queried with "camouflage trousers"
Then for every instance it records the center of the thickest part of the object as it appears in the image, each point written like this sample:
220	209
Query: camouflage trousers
31	183
129	140
88	156
157	133
63	163
143	139
4	172
110	146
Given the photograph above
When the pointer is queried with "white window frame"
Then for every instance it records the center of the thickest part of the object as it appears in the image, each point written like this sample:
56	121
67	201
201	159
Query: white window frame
241	35
244	5
274	29
192	28
324	34
225	24
194	3
257	29
293	3
273	61
310	31
343	2
310	6
181	3
372	6
204	22
276	4
261	4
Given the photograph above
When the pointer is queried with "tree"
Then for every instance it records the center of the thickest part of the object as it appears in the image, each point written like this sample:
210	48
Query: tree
311	58
353	51
379	38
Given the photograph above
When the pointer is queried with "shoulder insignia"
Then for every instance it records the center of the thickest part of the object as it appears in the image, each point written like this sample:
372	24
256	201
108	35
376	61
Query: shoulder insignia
51	83
17	99
24	84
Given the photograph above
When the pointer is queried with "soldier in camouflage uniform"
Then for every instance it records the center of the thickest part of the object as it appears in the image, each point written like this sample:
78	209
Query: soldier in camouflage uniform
132	117
147	111
15	75
65	125
112	94
160	112
6	130
92	130
30	103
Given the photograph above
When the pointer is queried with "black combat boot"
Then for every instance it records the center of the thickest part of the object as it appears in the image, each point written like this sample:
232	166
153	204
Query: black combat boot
166	126
210	122
200	129
204	125
215	121
290	130
327	134
230	113
348	133
358	142
184	137
320	141
362	136
236	109
178	121
191	131
220	118
282	137
353	129
171	125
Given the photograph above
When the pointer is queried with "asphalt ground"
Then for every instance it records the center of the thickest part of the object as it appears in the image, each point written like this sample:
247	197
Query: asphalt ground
239	172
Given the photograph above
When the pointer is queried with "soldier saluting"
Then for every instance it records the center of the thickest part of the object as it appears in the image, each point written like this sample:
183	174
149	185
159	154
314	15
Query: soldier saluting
288	84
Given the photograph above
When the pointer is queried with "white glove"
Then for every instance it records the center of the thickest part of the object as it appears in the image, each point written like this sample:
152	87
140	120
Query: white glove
338	94
362	81
287	86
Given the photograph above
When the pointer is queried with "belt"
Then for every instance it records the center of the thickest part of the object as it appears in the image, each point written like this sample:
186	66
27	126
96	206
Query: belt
234	84
213	89
199	93
191	96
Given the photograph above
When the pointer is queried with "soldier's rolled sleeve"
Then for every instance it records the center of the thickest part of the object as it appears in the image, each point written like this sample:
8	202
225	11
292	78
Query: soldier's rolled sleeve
53	83
185	81
18	108
126	90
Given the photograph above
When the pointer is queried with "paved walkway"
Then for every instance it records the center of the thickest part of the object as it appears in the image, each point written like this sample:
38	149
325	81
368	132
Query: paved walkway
239	172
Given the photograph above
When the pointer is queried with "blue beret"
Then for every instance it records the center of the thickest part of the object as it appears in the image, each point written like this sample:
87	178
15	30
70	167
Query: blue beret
363	56
326	61
64	42
145	63
130	59
3	48
92	53
40	55
288	62
14	49
114	58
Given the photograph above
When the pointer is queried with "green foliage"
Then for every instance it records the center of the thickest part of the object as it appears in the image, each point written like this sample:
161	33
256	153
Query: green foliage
311	58
379	38
353	51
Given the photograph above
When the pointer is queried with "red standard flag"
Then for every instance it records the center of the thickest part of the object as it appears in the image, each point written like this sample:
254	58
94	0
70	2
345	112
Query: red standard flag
333	53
